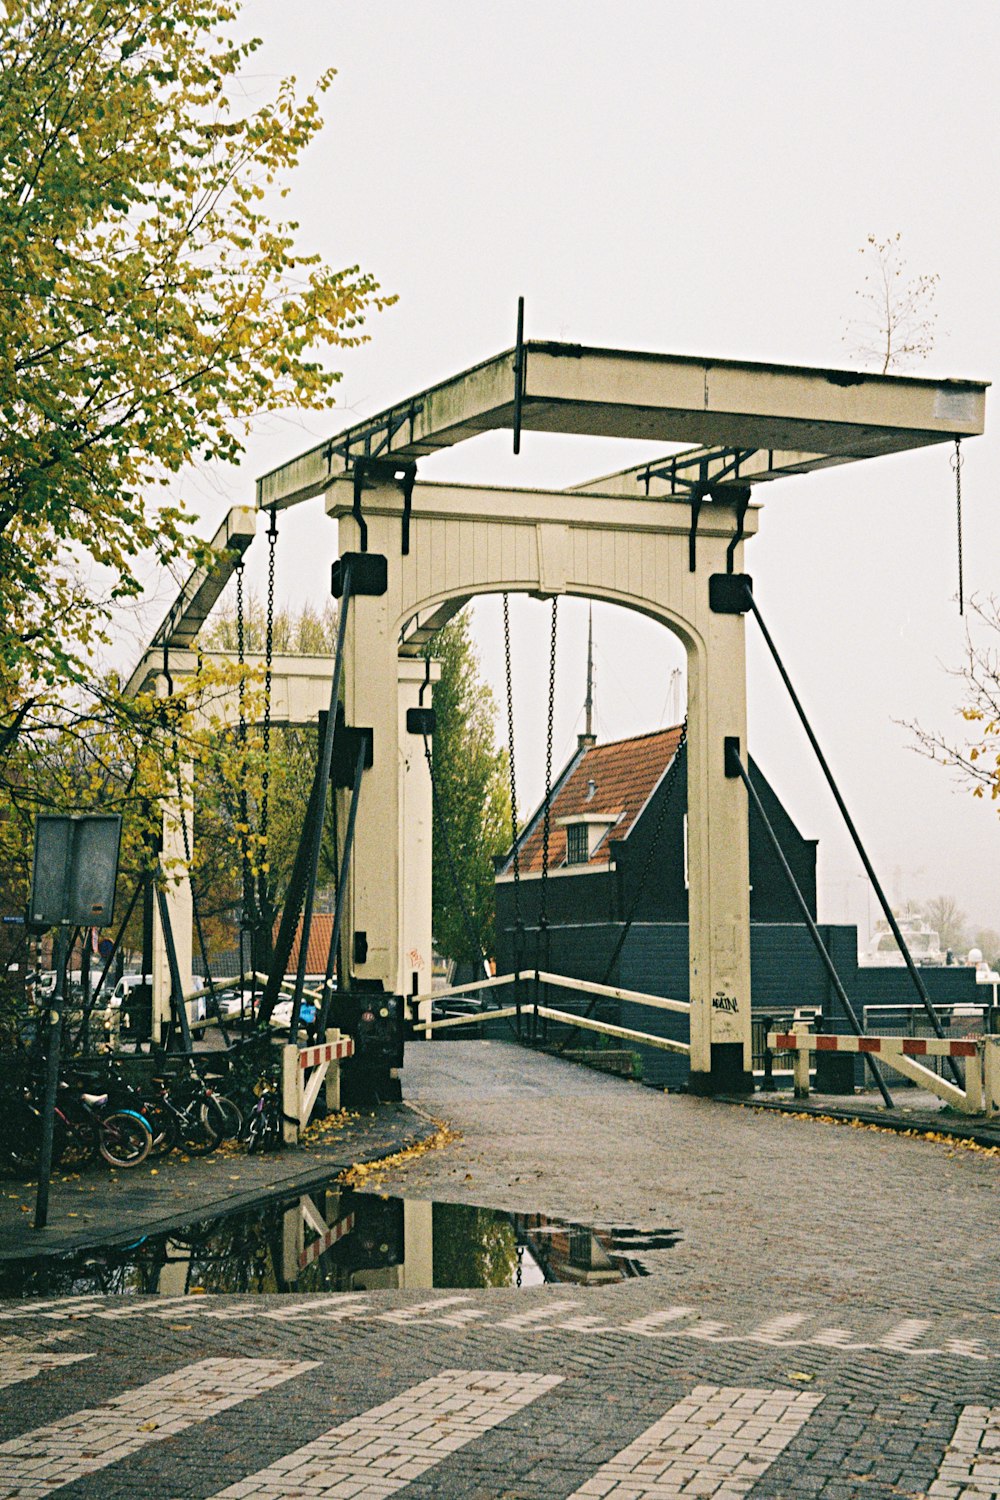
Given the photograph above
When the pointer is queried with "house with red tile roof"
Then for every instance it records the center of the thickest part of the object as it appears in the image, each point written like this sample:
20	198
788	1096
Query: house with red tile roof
617	843
615	899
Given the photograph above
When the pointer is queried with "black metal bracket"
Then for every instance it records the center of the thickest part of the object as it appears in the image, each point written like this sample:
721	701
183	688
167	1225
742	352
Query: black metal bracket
520	369
741	495
359	484
729	593
408	480
698	493
420	720
733	767
387	470
369	574
347	745
374	437
674	468
426	682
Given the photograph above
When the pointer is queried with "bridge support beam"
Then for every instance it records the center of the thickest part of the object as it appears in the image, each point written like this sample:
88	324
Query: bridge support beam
301	692
465	541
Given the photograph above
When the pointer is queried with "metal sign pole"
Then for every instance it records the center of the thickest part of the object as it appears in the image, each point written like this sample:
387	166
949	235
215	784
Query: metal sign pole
51	1079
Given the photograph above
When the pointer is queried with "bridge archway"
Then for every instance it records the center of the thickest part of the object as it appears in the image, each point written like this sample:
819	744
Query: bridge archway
465	541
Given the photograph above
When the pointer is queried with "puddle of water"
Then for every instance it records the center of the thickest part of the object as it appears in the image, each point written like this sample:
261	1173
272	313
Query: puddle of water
336	1240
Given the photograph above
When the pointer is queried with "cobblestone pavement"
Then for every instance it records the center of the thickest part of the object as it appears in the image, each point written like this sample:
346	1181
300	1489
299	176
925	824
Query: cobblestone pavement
827	1324
98	1206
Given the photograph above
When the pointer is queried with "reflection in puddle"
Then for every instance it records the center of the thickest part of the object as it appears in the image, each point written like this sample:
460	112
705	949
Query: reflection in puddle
334	1239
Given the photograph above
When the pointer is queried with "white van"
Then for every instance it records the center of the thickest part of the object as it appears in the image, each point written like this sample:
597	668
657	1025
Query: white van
131	982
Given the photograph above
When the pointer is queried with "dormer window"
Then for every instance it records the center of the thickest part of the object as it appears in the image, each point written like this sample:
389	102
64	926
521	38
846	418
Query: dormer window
577	844
585	832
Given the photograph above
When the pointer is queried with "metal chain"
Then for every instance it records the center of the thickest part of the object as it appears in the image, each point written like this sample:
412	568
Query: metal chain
442	823
272	537
956	464
543	916
673	775
195	911
519	921
244	798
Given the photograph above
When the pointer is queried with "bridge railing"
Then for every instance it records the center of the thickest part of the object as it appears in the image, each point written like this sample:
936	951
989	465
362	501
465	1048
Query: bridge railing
531	1008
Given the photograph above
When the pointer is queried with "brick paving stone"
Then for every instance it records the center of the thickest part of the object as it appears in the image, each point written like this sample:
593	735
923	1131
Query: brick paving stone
855	1270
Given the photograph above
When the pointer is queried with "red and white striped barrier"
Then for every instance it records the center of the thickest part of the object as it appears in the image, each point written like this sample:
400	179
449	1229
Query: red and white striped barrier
311	1057
299	1092
886	1046
981	1094
315	1250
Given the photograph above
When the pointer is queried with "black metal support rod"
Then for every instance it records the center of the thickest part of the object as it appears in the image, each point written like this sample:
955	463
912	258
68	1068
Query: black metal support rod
213	999
737	765
338	911
326	757
918	983
51	1081
292	908
176	988
519	375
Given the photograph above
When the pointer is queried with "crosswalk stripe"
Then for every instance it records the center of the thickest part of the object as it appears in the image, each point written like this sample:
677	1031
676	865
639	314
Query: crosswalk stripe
40	1461
140	1307
18	1367
380	1451
718	1441
971	1464
51	1307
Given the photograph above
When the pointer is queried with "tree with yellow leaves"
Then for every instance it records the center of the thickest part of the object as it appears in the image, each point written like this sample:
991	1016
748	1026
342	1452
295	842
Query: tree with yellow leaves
150	305
973	753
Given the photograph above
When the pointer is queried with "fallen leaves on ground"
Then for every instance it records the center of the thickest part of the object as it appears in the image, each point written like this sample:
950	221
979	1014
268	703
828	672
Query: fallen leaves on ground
371	1174
939	1138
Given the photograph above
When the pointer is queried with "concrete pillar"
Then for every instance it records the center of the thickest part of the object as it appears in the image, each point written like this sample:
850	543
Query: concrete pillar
416	832
417	1271
372	926
991	1076
800	1063
179	902
718	861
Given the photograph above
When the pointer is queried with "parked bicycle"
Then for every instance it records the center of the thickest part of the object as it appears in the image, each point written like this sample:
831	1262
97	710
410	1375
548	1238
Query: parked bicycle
84	1126
263	1132
186	1112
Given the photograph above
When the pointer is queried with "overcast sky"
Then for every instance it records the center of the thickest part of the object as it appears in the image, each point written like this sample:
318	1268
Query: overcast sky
697	178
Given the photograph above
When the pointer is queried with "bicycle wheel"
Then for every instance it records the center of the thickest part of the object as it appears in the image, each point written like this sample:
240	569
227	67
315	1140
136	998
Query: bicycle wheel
22	1139
195	1124
163	1125
124	1139
256	1133
225	1117
273	1137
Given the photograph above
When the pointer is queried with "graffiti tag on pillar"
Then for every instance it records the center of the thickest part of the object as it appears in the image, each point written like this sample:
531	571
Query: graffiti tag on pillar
725	1002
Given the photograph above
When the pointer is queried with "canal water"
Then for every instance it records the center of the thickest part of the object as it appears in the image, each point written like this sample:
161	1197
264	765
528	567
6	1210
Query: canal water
334	1239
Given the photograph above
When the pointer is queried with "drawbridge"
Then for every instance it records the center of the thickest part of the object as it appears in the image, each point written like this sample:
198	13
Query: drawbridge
667	538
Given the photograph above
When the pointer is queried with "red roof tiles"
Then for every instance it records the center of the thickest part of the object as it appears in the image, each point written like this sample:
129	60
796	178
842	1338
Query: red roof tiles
625	774
320	931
